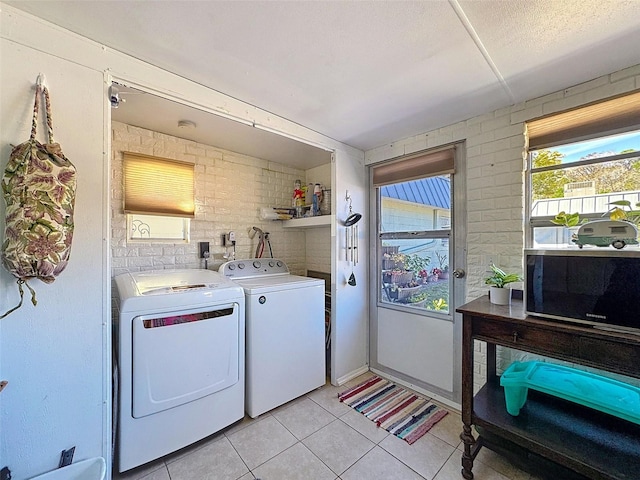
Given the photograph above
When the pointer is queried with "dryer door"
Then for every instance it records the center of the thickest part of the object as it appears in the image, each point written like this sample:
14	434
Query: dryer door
183	356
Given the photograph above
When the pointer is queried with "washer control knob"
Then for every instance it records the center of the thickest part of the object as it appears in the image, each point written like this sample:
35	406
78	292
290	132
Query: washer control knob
279	263
272	263
256	264
241	266
231	267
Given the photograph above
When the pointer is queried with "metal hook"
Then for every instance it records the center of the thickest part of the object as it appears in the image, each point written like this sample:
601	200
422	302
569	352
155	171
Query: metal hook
41	81
348	198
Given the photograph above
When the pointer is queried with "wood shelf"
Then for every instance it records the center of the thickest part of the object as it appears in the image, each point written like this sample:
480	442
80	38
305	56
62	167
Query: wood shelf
549	434
589	442
309	222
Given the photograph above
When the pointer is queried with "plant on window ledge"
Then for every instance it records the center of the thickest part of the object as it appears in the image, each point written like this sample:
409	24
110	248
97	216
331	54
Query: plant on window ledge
568	220
630	215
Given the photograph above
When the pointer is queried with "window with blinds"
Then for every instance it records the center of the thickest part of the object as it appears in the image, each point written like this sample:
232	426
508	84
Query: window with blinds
582	161
413	229
616	115
158	198
158	186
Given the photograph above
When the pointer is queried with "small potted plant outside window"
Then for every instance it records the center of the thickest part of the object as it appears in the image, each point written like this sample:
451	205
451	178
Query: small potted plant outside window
499	291
444	268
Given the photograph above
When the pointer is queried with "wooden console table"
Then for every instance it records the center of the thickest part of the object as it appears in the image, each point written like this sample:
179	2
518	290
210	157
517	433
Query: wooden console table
550	432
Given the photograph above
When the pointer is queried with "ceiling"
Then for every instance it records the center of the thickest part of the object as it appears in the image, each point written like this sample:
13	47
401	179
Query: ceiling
365	73
161	115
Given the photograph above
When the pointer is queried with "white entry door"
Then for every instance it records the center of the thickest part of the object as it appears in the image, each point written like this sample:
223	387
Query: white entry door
419	272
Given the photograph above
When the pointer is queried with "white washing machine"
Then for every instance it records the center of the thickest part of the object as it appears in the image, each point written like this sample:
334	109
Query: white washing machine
180	359
285	332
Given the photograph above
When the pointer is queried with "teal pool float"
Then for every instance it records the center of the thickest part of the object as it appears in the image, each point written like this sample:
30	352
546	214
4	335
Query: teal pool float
585	388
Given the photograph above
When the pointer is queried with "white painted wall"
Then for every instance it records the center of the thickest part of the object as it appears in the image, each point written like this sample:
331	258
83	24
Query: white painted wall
351	317
55	355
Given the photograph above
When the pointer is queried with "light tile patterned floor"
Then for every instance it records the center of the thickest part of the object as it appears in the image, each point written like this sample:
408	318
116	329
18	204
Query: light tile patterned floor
318	438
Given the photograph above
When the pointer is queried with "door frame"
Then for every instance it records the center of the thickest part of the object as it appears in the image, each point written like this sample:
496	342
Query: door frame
458	246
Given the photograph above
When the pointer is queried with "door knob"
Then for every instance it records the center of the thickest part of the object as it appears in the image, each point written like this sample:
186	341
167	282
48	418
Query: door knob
459	273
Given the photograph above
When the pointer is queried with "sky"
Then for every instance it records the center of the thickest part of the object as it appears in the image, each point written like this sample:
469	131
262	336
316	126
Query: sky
615	143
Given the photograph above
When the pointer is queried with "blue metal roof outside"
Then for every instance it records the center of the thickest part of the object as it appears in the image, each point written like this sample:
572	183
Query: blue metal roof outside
433	191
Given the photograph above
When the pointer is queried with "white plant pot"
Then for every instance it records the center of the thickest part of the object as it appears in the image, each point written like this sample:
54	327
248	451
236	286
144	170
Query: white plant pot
500	296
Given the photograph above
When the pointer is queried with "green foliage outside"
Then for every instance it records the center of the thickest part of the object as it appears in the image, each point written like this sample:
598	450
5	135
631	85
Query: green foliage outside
548	184
618	176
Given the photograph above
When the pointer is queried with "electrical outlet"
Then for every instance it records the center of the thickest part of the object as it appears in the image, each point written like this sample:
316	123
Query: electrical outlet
66	457
204	249
5	473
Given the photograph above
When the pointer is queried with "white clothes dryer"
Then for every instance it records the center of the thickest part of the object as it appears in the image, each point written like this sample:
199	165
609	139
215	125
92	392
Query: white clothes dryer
180	356
285	332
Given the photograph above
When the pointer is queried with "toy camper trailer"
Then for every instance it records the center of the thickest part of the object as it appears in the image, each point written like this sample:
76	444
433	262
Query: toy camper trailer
603	233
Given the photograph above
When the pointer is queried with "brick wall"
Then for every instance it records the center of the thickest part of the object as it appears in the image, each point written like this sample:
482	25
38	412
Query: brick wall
230	188
495	161
495	165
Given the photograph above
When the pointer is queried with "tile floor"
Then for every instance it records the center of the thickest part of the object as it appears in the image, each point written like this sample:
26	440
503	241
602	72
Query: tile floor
316	437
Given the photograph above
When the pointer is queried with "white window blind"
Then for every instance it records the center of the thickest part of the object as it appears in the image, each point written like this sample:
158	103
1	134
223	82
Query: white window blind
158	186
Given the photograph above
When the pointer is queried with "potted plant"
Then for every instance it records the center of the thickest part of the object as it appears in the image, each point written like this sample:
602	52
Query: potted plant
417	299
630	215
423	275
571	221
445	273
416	263
444	268
393	260
499	293
568	220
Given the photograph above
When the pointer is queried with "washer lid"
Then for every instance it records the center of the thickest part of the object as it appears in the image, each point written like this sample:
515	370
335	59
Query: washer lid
276	283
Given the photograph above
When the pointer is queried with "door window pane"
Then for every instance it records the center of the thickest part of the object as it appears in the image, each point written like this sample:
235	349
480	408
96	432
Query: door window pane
418	205
415	222
415	274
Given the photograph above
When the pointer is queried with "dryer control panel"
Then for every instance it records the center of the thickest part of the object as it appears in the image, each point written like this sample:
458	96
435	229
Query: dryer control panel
254	267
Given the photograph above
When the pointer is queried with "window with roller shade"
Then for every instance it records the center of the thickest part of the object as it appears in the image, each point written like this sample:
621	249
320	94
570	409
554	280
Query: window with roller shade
158	198
582	161
414	227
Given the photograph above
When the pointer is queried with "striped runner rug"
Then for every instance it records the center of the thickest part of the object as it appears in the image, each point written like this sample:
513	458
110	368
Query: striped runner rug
405	414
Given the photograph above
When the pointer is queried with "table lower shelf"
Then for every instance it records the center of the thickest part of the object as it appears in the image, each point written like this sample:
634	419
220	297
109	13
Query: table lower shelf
595	444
